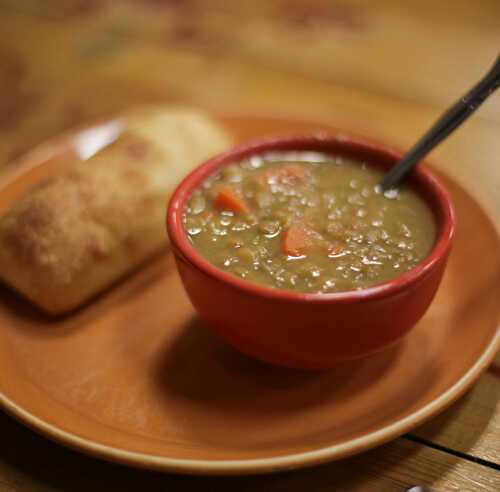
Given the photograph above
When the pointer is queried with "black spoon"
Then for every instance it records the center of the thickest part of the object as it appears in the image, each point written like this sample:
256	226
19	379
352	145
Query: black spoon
450	120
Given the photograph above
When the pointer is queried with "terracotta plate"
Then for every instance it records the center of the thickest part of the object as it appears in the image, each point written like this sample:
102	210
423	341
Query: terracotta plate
134	377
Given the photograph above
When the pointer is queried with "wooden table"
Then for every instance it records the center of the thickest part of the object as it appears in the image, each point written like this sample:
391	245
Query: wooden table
384	68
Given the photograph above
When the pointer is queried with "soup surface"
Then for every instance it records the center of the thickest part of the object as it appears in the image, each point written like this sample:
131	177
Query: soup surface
308	222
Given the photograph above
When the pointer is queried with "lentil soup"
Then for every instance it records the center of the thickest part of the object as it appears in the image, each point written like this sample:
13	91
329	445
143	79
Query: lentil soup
308	222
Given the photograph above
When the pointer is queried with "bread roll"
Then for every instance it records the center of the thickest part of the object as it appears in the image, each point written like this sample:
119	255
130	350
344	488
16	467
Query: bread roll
75	234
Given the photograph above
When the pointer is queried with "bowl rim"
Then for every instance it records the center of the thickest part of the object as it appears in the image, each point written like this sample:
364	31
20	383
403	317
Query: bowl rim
319	142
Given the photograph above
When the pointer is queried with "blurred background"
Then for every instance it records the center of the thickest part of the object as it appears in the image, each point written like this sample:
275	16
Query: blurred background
382	68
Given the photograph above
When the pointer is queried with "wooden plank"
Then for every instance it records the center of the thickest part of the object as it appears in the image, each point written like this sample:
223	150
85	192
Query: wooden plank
29	462
472	424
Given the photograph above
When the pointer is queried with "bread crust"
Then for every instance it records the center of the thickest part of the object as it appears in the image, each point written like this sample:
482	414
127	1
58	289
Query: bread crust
75	234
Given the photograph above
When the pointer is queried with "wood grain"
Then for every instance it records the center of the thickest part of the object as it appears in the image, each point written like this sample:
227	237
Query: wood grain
472	425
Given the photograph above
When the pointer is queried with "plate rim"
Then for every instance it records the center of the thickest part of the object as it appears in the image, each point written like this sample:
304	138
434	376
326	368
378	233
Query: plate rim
270	464
257	465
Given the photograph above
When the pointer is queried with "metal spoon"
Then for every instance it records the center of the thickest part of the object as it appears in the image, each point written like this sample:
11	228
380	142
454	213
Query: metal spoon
448	122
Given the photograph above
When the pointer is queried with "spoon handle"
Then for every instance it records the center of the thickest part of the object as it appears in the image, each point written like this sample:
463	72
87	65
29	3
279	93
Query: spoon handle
450	120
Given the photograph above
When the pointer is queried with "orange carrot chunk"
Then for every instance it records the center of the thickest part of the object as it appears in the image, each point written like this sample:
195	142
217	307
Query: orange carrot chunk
227	199
298	239
290	174
206	215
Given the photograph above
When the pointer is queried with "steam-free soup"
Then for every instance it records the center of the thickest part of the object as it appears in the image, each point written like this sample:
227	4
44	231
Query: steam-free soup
308	222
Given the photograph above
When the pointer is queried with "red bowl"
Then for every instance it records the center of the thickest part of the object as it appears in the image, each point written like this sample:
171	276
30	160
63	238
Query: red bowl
306	330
